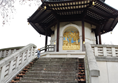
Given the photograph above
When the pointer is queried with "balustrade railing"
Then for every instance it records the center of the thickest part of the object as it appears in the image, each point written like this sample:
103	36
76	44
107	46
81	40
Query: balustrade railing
91	67
13	64
105	50
48	48
8	51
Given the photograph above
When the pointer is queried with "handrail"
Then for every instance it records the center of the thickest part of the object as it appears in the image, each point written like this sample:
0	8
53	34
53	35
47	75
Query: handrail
13	64
8	51
92	70
48	48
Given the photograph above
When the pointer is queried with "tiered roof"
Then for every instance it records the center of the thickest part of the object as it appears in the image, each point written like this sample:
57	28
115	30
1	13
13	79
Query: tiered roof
95	12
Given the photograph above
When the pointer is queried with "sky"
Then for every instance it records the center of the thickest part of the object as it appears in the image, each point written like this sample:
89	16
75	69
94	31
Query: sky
18	33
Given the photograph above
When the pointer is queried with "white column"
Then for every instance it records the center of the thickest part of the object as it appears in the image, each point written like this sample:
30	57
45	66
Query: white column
33	51
27	54
14	51
0	54
61	43
31	54
4	53
17	62
9	53
30	50
80	42
23	56
113	52
96	51
11	66
104	51
2	73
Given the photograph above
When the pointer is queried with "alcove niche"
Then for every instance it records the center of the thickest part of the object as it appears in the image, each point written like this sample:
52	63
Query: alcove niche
71	38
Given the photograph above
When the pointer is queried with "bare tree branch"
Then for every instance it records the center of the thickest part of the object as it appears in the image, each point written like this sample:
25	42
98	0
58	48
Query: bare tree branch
7	7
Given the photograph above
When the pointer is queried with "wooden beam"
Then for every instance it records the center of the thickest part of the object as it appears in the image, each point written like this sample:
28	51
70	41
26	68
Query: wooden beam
92	20
42	15
46	39
83	32
50	24
96	33
102	10
96	38
110	28
58	25
83	36
36	28
99	36
98	13
105	23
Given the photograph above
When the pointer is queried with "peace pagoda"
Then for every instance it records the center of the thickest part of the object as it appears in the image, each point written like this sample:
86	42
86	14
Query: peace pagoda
75	53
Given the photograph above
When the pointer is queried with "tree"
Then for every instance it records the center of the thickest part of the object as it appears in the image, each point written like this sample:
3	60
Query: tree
7	8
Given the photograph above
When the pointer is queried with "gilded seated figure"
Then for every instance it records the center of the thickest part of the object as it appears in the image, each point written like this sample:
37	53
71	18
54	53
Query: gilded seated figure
71	41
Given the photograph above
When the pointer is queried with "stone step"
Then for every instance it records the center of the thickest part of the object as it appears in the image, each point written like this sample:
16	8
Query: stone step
54	66
51	81
54	70
51	74
55	62
56	77
57	59
63	80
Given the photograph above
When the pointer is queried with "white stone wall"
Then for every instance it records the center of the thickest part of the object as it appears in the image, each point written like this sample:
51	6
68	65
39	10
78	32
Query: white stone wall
107	60
89	36
108	72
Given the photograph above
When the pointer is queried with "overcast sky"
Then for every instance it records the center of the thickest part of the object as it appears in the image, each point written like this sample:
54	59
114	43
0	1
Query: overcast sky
19	33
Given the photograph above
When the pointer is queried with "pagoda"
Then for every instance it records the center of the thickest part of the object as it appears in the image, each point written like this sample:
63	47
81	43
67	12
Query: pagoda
75	28
75	53
85	19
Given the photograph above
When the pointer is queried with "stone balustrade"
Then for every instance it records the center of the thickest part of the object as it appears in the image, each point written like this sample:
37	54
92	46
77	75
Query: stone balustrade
48	48
105	50
8	51
13	64
91	67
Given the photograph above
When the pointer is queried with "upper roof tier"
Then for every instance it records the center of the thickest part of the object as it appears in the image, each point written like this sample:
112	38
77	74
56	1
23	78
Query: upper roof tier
95	12
65	0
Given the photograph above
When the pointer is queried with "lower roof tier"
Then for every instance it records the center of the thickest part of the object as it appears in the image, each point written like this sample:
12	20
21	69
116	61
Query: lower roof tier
94	12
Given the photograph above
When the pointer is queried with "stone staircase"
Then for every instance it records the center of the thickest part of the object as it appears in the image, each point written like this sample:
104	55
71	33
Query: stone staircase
55	70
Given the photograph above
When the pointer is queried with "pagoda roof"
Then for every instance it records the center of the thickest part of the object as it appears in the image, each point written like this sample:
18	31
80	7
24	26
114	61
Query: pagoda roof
51	11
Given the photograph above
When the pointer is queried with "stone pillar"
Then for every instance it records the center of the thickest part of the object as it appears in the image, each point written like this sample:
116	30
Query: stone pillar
46	39
100	37
83	36
98	33
96	38
57	49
